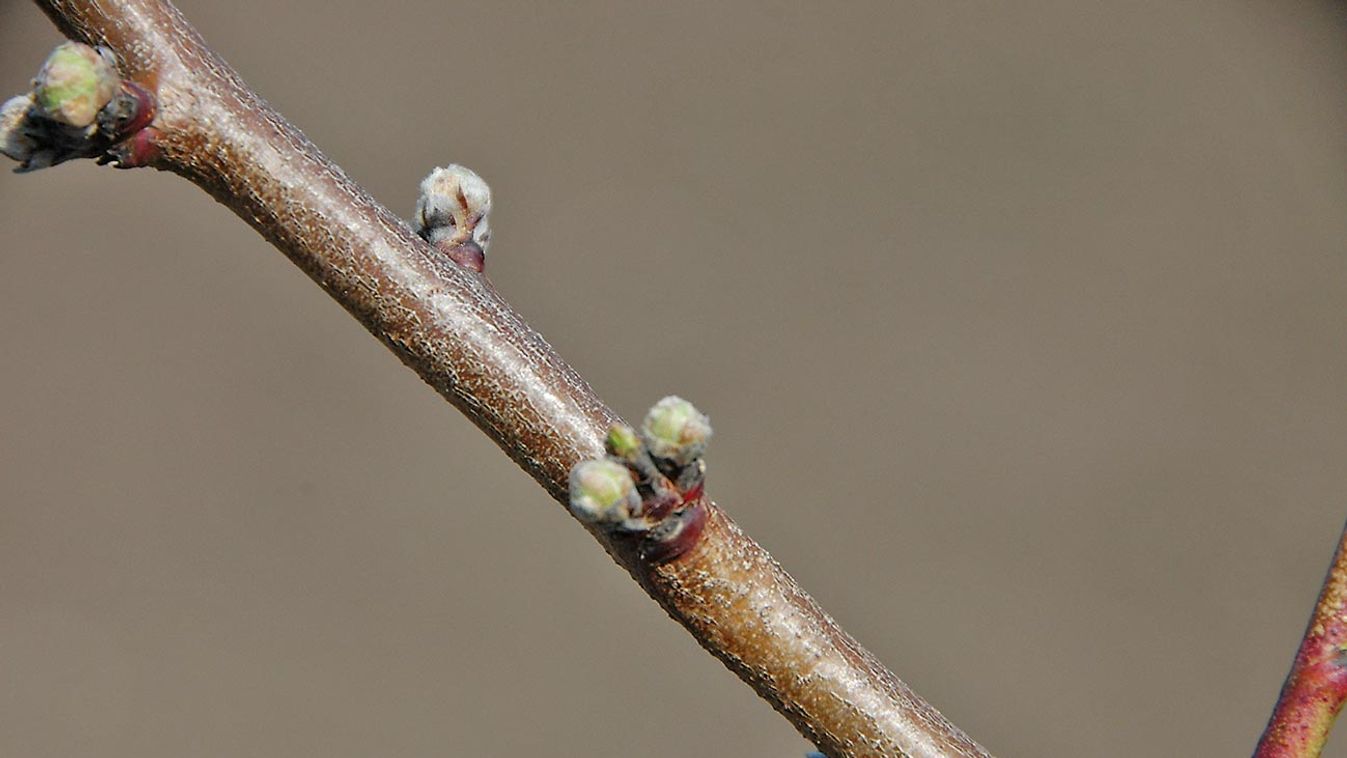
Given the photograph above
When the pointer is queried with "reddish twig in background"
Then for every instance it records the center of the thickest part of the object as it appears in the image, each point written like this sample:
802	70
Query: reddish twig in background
1316	688
447	323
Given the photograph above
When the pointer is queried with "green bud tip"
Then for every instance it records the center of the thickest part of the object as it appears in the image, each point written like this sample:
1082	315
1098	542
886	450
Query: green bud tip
623	442
602	492
75	83
675	430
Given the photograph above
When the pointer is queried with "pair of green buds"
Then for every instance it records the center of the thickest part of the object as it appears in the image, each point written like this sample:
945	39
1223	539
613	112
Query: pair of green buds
645	477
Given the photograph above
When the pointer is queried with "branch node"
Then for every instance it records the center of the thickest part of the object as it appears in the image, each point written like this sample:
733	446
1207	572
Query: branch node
79	107
669	512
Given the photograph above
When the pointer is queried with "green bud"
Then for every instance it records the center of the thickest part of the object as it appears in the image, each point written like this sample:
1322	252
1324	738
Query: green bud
623	442
675	430
74	84
603	492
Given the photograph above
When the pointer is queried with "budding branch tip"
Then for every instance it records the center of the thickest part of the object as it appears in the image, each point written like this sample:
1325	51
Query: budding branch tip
79	107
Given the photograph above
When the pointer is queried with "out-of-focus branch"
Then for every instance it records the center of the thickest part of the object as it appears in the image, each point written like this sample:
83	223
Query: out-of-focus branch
448	324
1316	688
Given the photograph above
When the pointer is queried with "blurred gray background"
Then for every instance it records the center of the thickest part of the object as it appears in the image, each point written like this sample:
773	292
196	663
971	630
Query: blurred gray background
1021	325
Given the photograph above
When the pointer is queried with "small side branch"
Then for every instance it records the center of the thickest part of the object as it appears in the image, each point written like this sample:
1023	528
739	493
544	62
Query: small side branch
1316	688
446	322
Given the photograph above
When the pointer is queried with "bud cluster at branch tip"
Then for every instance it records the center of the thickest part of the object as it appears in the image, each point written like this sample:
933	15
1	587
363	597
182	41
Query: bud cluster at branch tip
79	107
662	469
452	213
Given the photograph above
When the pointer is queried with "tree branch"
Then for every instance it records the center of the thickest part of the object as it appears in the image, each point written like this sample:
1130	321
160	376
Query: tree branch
448	324
1316	686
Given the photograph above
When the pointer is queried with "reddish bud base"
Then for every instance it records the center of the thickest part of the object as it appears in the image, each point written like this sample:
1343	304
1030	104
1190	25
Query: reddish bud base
144	108
468	254
137	150
680	539
134	141
662	501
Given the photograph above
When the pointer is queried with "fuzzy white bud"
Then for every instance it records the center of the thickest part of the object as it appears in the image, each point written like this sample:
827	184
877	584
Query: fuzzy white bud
454	206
